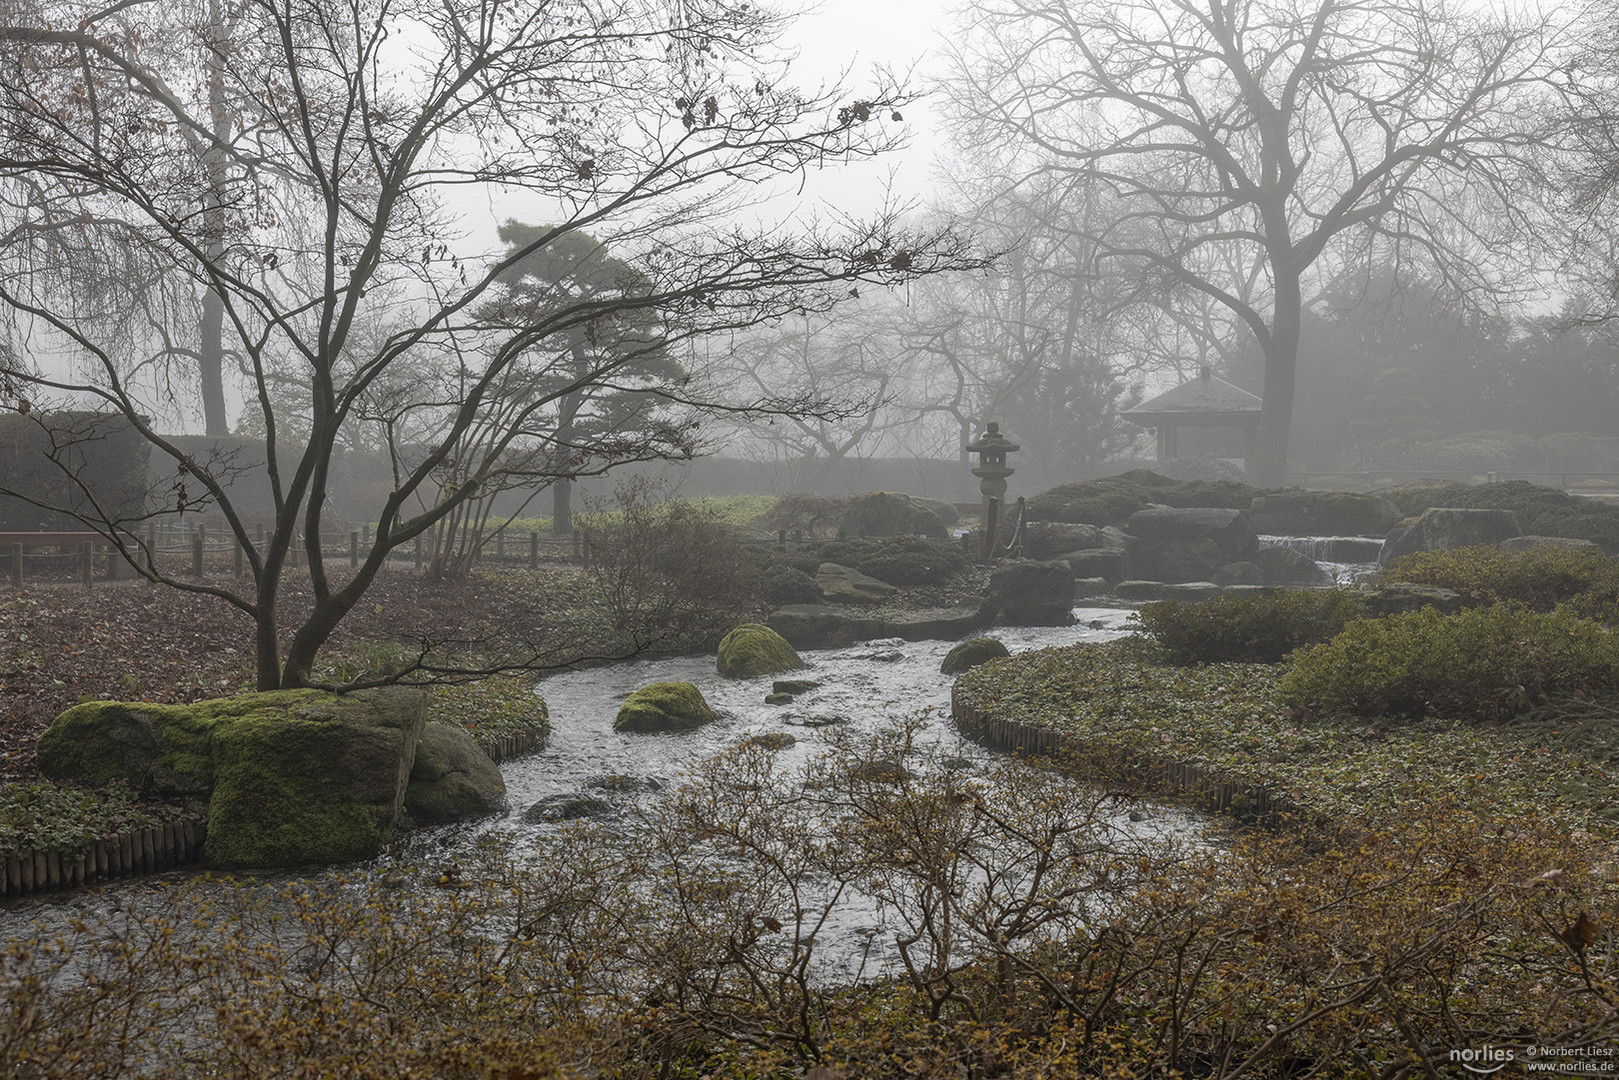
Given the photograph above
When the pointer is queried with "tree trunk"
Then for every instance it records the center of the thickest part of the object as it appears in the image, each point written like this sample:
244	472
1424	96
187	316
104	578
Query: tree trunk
1281	369
211	361
211	344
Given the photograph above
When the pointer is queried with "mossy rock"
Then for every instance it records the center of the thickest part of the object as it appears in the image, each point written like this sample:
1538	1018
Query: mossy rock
754	649
452	778
972	652
665	706
291	777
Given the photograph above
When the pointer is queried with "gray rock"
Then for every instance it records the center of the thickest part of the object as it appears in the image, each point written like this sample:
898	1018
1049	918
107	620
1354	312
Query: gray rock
772	740
1191	544
1323	513
930	624
969	654
1087	587
816	720
1284	566
1139	590
822	626
557	808
945	512
1109	563
1190	592
887	513
452	778
1049	539
1239	573
846	585
1029	593
1529	543
1440	528
793	686
779	699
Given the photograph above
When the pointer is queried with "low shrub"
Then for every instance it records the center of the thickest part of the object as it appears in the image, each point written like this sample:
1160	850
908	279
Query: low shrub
670	571
1487	663
782	583
1254	629
1541	578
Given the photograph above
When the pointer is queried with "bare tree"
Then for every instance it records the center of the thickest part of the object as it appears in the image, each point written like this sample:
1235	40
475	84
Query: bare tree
357	132
851	360
1037	343
1278	132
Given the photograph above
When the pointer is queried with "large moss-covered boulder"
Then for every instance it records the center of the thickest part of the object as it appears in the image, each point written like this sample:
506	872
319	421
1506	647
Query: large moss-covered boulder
665	706
972	652
753	649
290	778
887	513
452	778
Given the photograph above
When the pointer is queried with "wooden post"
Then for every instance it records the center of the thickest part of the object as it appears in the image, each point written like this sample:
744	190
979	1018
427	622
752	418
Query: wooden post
418	552
365	534
198	539
87	569
533	551
16	566
237	557
354	549
113	559
500	546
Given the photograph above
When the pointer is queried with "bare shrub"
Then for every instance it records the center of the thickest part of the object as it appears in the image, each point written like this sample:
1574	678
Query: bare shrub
669	571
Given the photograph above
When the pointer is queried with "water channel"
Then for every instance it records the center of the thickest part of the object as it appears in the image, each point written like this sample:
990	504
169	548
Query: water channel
587	767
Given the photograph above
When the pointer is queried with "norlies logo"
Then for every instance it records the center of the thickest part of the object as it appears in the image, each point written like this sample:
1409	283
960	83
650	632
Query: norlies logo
1484	1060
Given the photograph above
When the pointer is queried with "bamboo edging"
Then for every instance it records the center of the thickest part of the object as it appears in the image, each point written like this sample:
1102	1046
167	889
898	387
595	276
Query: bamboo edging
140	851
1206	790
509	746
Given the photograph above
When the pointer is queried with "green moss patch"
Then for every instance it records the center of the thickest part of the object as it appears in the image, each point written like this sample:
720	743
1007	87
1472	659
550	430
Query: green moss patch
290	778
1121	710
666	706
754	649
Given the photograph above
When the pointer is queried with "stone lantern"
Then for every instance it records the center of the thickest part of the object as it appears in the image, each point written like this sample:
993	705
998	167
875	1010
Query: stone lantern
992	448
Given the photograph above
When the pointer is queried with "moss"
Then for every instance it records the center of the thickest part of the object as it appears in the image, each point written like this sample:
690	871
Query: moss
158	749
291	777
972	652
274	804
753	649
666	706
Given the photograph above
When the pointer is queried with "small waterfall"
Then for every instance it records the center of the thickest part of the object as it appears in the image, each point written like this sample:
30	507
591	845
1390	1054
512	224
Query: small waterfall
1329	549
